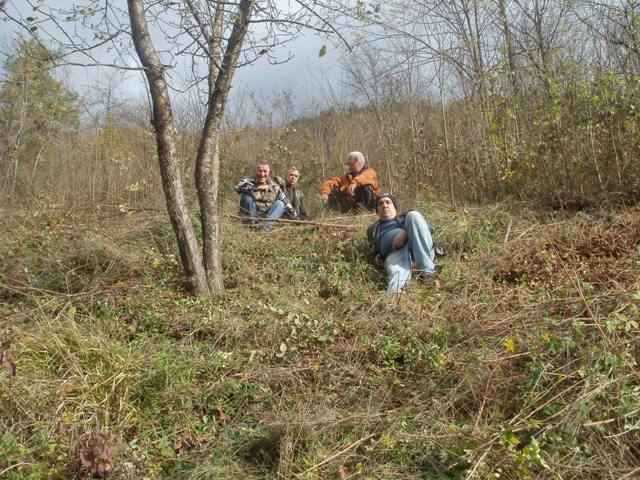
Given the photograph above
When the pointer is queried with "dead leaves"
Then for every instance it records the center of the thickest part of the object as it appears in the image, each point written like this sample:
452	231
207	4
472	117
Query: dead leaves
598	253
9	366
343	472
94	455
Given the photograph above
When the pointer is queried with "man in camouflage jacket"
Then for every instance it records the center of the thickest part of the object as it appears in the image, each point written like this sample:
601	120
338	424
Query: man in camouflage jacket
262	197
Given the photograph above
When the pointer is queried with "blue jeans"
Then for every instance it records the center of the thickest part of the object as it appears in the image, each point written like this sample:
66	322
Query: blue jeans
418	249
248	208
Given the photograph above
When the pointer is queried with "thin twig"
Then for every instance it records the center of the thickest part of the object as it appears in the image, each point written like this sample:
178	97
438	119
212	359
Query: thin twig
599	422
13	466
631	473
630	429
335	455
506	235
472	472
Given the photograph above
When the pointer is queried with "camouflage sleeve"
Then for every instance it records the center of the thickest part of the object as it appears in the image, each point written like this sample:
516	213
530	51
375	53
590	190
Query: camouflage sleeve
287	204
244	185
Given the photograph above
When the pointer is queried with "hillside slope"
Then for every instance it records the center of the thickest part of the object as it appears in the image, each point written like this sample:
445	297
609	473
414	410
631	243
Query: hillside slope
520	362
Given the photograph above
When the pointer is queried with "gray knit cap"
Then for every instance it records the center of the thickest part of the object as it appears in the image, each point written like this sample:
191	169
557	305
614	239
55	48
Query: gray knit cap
393	198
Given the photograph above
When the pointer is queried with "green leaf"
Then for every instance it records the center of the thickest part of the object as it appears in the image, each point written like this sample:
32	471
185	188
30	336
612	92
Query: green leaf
323	51
164	448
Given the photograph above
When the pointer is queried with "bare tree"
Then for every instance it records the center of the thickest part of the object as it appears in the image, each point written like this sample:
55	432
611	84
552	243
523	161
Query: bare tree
617	25
198	43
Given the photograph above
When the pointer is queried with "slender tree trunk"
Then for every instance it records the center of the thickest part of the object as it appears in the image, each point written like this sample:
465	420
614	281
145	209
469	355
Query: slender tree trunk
414	148
208	157
445	130
167	157
594	158
542	46
16	146
14	174
508	40
35	164
478	47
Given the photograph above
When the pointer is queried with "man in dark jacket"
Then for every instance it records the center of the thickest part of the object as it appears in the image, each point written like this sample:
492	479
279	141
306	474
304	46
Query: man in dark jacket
294	194
262	197
400	241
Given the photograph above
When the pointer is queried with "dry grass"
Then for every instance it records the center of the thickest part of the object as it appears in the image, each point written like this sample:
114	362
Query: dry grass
521	362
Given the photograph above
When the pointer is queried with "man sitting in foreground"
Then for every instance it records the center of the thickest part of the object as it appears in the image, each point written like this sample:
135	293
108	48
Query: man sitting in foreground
398	240
262	197
354	191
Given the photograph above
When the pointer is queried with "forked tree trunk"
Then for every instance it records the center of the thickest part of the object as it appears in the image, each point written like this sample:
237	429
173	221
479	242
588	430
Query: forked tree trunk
204	276
167	157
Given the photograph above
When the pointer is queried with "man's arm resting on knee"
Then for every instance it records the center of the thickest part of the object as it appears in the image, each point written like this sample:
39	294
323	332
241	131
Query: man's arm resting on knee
399	240
339	182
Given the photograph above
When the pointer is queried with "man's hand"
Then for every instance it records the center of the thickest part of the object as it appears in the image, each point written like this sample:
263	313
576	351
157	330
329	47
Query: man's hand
324	198
263	187
351	189
399	240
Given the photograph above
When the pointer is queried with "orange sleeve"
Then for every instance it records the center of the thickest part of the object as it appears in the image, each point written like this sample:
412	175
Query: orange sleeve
368	177
338	181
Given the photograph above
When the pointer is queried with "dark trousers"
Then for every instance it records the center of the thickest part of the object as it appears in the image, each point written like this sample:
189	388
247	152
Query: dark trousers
363	198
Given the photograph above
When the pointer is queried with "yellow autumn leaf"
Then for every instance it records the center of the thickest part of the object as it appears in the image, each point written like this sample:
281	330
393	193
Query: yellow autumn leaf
510	345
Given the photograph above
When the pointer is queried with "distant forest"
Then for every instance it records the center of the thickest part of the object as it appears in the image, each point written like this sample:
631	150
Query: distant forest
461	101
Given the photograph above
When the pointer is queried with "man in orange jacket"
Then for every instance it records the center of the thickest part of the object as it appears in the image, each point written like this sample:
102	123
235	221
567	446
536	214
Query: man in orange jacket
354	191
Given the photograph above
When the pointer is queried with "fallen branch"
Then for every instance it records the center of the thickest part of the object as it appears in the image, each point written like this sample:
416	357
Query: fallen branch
25	289
295	222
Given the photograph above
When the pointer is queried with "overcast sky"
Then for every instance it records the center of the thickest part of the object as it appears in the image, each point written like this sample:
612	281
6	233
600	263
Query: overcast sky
309	77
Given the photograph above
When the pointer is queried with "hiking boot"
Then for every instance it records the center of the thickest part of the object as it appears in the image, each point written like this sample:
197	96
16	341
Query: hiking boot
426	278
